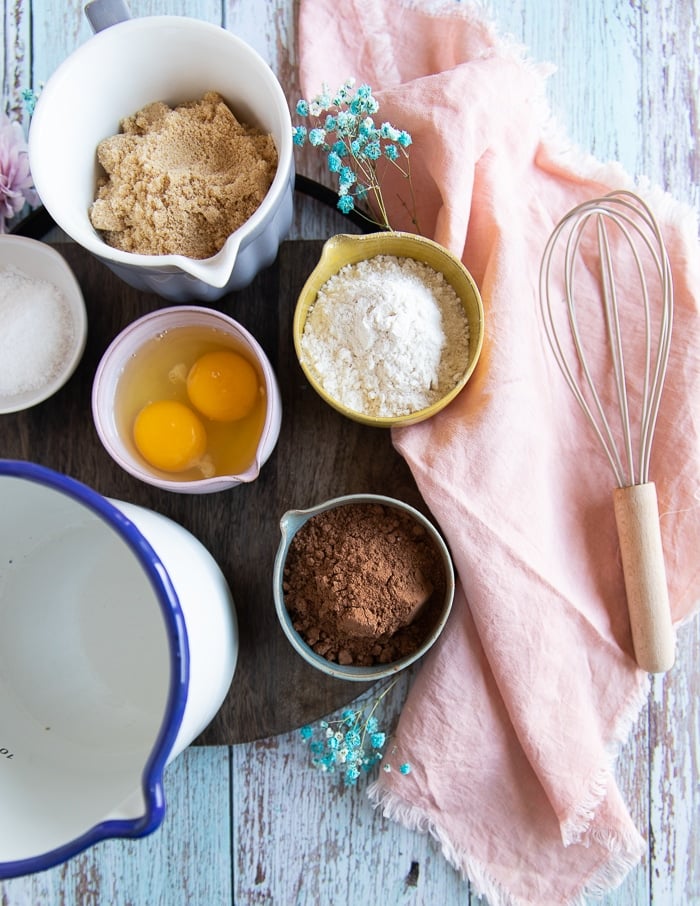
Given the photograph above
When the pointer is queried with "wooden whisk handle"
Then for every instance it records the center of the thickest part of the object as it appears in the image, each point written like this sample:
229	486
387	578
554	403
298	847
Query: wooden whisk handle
637	516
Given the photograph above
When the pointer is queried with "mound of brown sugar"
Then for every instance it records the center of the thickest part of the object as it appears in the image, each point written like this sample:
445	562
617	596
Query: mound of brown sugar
364	583
181	180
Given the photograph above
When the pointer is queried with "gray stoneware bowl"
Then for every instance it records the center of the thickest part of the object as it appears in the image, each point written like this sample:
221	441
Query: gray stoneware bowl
290	524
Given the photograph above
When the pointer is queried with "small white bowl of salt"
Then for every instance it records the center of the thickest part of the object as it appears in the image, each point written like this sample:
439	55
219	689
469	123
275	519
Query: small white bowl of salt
43	322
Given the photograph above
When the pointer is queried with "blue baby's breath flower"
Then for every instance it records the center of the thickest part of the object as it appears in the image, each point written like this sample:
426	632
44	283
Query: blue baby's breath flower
346	123
377	740
370	761
386	130
347	177
365	101
352	743
392	152
29	99
342	126
334	162
372	151
351	776
352	738
345	204
367	129
353	757
317	137
340	148
323	98
343	93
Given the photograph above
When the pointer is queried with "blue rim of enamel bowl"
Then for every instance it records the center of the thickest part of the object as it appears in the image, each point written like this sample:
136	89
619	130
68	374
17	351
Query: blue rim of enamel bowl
152	776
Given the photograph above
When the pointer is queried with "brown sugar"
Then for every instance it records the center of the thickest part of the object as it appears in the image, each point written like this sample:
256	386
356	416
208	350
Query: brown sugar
181	180
364	583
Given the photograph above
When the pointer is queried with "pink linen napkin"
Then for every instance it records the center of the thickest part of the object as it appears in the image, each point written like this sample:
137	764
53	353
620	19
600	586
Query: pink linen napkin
515	719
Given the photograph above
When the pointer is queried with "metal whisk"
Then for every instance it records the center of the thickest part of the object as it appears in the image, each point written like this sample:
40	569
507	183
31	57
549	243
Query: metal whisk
625	428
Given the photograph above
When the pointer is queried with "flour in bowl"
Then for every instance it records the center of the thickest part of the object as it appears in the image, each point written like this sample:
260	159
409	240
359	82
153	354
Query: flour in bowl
386	336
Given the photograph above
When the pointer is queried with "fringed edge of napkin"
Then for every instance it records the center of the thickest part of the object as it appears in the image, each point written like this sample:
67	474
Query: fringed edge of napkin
580	164
414	818
577	827
625	849
624	854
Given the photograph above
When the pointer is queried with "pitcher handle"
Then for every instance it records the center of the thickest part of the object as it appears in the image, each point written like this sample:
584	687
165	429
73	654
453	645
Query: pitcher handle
103	13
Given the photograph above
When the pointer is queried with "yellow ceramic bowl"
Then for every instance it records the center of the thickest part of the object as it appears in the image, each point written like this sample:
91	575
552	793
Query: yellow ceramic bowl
349	249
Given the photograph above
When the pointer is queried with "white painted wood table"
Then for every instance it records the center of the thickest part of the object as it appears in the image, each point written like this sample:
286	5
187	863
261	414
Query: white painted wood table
253	823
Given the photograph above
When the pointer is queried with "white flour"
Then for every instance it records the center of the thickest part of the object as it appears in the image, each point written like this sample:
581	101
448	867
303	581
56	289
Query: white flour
386	336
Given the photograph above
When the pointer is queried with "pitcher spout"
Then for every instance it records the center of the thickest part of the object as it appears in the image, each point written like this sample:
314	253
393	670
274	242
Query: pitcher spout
215	271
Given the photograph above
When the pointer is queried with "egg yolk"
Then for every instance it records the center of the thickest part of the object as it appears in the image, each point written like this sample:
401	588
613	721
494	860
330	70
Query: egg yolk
223	386
169	436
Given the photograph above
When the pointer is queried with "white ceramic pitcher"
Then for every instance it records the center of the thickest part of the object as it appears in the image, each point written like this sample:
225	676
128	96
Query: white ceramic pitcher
130	64
118	644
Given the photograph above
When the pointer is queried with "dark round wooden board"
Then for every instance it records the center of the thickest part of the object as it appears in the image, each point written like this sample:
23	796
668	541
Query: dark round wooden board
320	454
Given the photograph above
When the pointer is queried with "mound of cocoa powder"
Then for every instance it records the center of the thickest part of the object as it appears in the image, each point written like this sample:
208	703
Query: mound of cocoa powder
363	583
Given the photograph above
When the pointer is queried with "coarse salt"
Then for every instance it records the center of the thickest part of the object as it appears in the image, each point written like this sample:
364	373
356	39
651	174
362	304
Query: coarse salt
387	336
37	332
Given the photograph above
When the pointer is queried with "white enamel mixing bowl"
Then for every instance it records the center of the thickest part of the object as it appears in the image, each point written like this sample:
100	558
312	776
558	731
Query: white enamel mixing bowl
118	644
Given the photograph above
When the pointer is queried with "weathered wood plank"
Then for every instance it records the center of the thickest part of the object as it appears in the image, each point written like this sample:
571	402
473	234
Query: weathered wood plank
319	841
674	789
60	28
15	72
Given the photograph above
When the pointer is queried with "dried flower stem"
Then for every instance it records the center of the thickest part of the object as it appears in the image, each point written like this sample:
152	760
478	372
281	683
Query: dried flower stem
342	127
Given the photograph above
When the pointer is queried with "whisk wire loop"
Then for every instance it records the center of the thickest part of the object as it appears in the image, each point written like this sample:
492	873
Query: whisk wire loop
630	216
612	321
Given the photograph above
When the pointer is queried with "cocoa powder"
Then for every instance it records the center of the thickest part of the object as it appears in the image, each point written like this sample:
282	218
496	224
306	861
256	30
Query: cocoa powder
363	583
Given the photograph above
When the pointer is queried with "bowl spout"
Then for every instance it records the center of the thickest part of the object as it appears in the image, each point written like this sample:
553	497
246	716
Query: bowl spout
215	271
